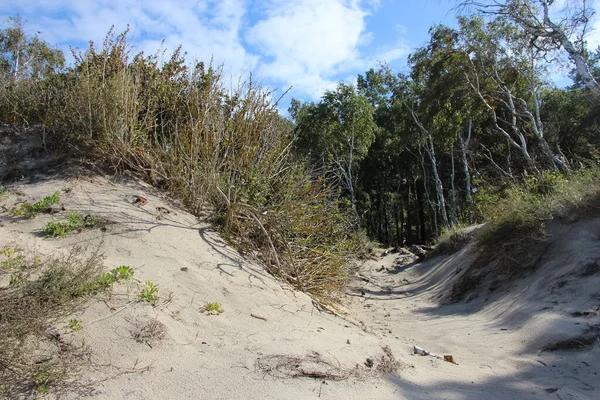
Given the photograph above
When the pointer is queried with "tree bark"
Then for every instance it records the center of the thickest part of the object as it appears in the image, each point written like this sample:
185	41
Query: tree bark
464	146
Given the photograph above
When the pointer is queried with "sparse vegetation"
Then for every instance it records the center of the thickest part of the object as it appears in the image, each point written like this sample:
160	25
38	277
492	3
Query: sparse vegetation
47	291
28	210
515	238
76	325
75	222
149	293
213	308
452	239
149	332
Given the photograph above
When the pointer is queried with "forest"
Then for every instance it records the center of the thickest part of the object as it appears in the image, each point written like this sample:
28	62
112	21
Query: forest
475	129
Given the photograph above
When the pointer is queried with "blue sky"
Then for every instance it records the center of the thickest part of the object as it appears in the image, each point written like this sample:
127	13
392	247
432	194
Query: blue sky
306	44
309	45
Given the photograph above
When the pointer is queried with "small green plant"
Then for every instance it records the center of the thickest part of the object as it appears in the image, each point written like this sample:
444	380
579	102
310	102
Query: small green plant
12	260
32	210
76	324
45	376
213	308
149	293
3	191
122	273
75	221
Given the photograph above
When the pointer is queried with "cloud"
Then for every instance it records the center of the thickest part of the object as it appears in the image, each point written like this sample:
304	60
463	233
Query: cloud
306	41
306	44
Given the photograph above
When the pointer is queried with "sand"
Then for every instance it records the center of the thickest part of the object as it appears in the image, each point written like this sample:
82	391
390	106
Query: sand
269	332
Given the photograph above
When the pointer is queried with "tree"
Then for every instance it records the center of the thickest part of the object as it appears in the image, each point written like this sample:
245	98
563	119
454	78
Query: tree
504	71
547	34
338	130
23	56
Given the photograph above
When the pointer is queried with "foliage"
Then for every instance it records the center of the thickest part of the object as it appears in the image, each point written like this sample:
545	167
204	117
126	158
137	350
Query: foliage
213	308
76	324
27	210
75	221
149	293
49	290
400	155
452	239
122	273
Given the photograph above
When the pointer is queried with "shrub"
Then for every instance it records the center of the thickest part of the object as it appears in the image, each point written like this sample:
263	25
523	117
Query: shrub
48	290
149	293
75	222
515	238
181	128
213	308
452	239
33	210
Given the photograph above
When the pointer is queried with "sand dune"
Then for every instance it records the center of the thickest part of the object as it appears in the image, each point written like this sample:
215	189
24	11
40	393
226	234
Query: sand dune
271	342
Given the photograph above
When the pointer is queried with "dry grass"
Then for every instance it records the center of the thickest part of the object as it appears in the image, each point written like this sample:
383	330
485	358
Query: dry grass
36	294
515	239
181	128
316	366
452	239
149	332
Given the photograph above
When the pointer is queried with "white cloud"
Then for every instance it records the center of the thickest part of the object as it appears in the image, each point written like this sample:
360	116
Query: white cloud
307	40
307	44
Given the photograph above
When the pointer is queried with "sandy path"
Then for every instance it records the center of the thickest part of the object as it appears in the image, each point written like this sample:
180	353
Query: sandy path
495	338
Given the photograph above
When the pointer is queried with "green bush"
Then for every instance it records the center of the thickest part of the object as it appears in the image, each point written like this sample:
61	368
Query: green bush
149	293
33	210
75	221
515	237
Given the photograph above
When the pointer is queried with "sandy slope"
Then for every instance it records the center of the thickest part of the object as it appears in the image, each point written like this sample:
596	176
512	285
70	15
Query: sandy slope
202	356
495	338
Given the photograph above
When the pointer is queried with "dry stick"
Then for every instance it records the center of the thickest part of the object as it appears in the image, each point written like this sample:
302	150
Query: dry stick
258	317
113	314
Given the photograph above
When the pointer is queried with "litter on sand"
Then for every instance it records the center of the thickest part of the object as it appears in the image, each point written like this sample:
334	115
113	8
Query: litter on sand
422	352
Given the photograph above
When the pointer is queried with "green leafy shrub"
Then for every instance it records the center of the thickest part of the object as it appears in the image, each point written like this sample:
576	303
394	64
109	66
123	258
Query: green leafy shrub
213	308
75	221
122	273
149	293
27	210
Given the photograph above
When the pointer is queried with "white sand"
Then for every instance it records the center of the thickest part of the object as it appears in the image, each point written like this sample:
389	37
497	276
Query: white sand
495	341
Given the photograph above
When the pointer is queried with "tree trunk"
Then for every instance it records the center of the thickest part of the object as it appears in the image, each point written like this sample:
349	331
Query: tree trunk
464	146
439	187
408	230
581	66
454	205
421	201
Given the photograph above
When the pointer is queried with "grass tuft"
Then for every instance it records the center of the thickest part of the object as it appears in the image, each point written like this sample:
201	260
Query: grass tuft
45	292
